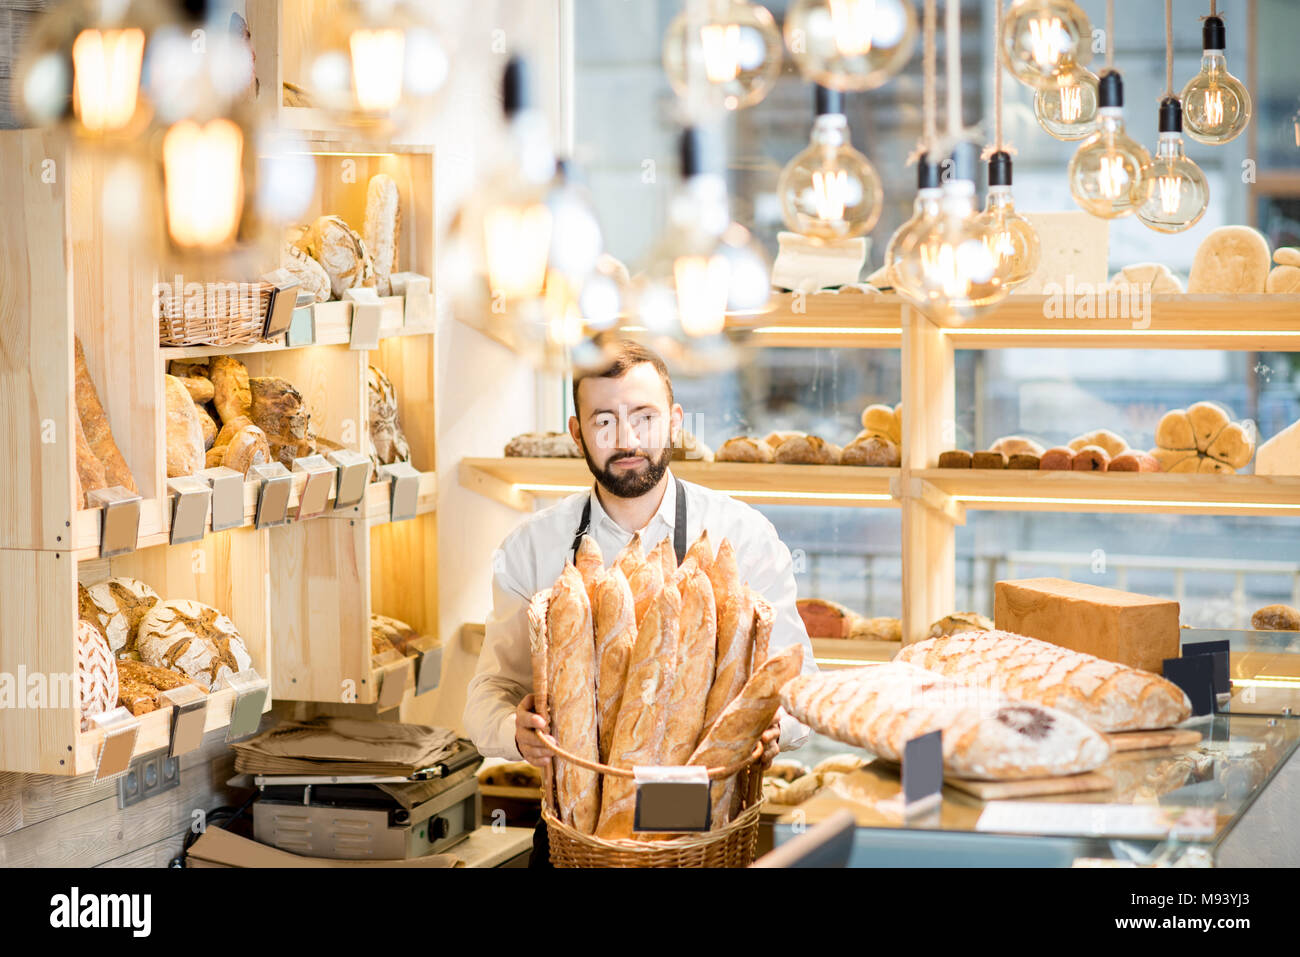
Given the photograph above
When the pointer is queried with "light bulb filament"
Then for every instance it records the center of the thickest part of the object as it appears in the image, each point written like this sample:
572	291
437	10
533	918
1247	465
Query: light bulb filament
1047	41
852	21
830	187
377	68
517	242
1071	102
1213	106
701	293
1001	246
1111	177
107	69
1170	188
721	44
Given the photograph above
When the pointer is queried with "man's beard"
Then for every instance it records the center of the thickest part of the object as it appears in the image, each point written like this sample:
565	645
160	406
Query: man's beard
630	484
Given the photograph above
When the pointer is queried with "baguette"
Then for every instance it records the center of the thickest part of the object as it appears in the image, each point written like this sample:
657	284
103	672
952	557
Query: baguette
639	731
572	687
538	646
90	471
615	615
735	646
382	229
646	581
764	621
1104	694
697	647
724	576
667	558
702	552
986	735
630	558
591	566
94	422
743	722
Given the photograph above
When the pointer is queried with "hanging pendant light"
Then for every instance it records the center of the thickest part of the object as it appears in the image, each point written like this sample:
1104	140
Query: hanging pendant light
1216	105
1105	172
1042	39
1011	239
1067	108
1176	192
925	211
850	44
830	191
735	46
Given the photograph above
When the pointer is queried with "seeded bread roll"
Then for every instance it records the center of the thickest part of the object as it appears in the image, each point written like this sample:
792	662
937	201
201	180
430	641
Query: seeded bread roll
988	460
955	459
744	449
1276	618
1057	459
1091	458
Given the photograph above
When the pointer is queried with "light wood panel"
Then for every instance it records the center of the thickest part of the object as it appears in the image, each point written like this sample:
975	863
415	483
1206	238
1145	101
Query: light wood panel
320	610
36	394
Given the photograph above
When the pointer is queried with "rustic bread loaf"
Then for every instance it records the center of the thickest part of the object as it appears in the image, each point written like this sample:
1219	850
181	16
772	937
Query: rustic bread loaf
94	422
572	687
117	607
875	629
871	450
231	393
776	439
140	685
1105	694
90	471
724	576
693	677
383	229
387	443
185	447
954	459
960	621
543	445
615	621
278	410
246	448
398	633
209	426
96	673
743	448
200	388
806	450
193	639
823	618
1276	618
986	735
310	274
342	252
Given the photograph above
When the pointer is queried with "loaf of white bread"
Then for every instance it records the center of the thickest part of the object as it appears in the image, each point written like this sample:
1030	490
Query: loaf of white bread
986	735
1107	695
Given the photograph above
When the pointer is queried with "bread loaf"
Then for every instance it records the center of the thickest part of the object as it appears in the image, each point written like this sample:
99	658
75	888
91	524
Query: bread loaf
396	633
278	410
540	654
1104	694
806	450
639	730
231	393
697	649
630	557
117	607
988	460
342	252
872	451
1276	618
96	673
310	274
774	440
667	558
140	686
1230	260
764	622
875	629
986	734
216	457
734	653
702	551
209	427
193	639
1058	459
90	471
246	448
724	576
382	229
94	422
615	621
744	449
185	448
823	618
736	731
954	459
572	680
543	445
387	443
591	565
1010	445
646	582
200	388
958	622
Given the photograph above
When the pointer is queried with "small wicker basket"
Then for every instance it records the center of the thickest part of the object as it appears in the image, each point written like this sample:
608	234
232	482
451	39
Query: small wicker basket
225	314
732	845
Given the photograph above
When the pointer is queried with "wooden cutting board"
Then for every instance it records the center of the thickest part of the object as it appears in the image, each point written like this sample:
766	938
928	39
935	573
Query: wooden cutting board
1001	790
1146	740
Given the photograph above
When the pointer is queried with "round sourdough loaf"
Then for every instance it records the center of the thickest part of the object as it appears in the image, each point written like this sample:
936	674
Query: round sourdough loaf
96	673
117	607
193	639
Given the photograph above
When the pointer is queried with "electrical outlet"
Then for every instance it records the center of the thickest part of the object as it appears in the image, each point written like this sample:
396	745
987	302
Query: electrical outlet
146	777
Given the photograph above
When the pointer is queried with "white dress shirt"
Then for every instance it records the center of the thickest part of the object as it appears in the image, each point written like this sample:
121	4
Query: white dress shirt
533	556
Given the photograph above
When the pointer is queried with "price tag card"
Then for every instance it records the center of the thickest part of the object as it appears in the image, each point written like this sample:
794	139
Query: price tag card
189	717
405	492
428	670
119	525
1219	650
121	729
251	691
922	770
302	327
227	497
1195	675
672	799
190	498
272	494
316	490
392	685
367	315
353	477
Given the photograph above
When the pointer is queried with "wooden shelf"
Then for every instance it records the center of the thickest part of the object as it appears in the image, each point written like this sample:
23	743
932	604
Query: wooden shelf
834	653
378	501
1053	491
517	481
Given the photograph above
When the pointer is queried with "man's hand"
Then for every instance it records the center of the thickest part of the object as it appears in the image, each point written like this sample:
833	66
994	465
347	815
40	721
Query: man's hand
527	724
771	746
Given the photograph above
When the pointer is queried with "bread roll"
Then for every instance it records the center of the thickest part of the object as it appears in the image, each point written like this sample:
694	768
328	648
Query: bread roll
186	450
696	657
805	450
382	229
744	449
615	620
1283	279
572	689
1233	446
882	420
94	423
1134	462
1158	276
1104	694
1175	431
1169	458
955	459
1103	439
1010	445
1276	618
1057	459
200	388
872	451
1208	465
1207	420
639	730
986	734
1286	256
737	729
231	393
246	448
988	460
1230	260
1091	458
90	471
1189	464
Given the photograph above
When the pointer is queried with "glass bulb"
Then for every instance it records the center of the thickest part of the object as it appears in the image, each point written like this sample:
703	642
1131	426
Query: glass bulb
1044	38
734	46
1105	172
1216	105
925	210
948	267
830	191
1176	192
1011	240
850	44
203	182
1067	108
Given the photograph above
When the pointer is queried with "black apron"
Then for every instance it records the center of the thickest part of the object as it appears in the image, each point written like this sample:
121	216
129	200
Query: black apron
541	856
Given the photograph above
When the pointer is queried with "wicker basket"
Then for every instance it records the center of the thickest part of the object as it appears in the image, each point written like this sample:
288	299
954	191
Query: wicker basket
226	314
732	845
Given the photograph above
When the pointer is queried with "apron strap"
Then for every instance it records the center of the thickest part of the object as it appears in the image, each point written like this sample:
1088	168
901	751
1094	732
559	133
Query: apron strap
583	526
679	525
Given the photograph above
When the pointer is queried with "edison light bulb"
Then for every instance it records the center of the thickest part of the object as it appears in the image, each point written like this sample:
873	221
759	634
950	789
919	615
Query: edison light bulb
1010	238
734	46
203	182
948	268
1176	193
830	191
850	44
1106	171
925	209
1043	38
1216	105
1067	108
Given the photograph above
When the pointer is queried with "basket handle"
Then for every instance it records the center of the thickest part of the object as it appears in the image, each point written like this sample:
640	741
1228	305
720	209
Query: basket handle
714	773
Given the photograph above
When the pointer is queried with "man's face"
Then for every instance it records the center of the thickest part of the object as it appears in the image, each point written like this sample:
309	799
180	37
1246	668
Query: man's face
625	428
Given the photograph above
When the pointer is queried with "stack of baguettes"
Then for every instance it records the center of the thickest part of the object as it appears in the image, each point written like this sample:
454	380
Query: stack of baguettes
1105	694
646	663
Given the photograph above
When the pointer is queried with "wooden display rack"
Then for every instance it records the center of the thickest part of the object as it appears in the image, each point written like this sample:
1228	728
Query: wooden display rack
934	500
